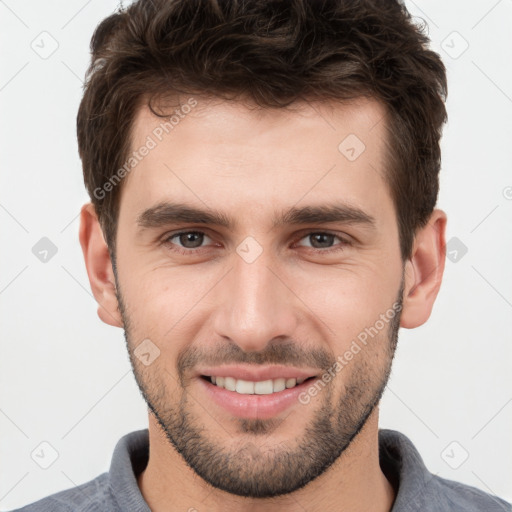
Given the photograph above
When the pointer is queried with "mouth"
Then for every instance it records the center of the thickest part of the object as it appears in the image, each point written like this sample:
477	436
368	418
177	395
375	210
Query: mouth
264	398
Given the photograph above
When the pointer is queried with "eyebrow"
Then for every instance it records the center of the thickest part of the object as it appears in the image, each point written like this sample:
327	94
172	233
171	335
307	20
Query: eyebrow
165	213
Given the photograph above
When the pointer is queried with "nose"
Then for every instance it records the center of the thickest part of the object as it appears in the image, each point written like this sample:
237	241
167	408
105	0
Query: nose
256	304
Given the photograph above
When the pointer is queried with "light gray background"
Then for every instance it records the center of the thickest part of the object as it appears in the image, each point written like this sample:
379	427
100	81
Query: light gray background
65	376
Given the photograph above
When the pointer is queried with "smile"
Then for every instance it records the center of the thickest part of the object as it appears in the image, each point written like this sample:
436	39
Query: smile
253	399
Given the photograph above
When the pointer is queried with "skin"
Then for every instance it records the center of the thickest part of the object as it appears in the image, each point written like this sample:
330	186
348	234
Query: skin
250	164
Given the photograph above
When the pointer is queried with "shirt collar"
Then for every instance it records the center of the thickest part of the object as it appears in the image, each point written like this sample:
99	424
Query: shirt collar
130	457
400	461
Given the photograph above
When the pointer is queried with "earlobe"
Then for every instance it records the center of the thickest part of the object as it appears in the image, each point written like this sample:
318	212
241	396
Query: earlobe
424	272
99	266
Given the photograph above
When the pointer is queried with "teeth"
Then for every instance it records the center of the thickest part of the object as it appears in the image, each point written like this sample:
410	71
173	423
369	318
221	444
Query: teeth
290	383
263	387
279	385
230	383
244	387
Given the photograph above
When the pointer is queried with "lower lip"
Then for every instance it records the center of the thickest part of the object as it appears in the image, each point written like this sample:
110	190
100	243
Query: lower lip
254	406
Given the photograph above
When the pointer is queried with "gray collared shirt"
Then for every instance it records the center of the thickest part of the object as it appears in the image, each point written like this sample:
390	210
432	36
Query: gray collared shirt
418	489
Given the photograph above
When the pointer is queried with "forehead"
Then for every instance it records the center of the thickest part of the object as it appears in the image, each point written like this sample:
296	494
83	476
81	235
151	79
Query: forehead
233	155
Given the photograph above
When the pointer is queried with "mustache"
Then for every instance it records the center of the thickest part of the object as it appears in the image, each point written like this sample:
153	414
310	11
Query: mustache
287	353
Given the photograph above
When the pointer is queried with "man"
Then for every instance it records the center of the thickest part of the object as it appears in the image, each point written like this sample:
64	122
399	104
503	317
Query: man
263	178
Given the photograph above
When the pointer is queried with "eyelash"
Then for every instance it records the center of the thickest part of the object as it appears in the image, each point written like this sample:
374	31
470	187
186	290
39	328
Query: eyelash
167	241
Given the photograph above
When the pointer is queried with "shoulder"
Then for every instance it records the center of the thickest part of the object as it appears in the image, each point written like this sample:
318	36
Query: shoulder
419	489
455	496
91	496
109	492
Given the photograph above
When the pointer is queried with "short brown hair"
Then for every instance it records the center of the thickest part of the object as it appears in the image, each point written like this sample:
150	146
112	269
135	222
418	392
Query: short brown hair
275	53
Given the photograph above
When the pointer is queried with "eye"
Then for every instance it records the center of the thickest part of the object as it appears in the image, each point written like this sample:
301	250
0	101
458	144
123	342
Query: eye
188	240
321	240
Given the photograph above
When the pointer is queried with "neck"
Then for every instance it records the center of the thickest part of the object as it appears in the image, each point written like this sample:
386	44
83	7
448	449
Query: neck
354	482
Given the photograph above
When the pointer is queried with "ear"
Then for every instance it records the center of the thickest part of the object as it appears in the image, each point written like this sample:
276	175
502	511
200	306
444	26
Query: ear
424	271
99	266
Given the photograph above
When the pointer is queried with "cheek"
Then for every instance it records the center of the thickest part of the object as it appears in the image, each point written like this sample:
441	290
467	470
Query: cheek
346	300
164	303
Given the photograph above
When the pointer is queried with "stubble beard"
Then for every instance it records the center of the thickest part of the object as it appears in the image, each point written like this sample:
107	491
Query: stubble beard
251	468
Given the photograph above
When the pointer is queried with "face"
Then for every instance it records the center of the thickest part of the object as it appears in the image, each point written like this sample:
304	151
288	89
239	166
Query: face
260	282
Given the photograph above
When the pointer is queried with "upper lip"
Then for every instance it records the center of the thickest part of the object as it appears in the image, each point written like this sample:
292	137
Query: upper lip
258	373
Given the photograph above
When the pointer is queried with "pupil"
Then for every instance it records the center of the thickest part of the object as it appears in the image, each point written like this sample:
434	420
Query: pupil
188	241
325	239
